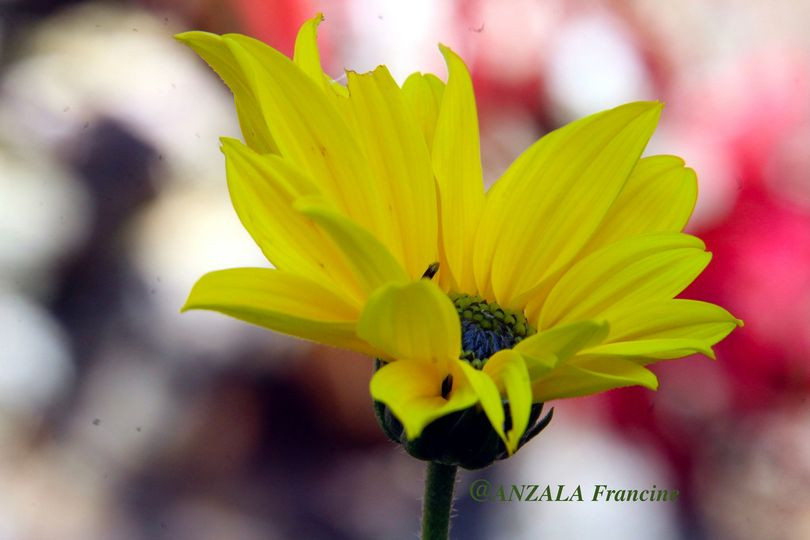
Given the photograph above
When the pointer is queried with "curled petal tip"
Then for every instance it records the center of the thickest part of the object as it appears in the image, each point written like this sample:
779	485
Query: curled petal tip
188	37
186	307
446	50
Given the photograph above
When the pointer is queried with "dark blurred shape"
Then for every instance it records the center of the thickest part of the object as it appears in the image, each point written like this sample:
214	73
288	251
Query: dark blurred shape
256	442
34	8
94	284
18	15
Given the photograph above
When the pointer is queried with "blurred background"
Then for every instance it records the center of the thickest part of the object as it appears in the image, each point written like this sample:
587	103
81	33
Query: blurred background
122	419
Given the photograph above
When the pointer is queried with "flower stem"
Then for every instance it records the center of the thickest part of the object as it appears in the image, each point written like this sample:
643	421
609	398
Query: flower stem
439	485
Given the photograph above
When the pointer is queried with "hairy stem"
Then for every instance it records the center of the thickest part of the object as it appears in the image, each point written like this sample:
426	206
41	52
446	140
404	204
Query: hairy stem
438	502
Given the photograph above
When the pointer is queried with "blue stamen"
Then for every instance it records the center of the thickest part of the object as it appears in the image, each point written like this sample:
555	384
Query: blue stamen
486	328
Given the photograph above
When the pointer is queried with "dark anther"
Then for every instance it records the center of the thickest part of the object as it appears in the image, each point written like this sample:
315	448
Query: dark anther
431	271
447	385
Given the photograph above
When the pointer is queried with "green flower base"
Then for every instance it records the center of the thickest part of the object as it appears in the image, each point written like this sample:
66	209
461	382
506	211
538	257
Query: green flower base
464	438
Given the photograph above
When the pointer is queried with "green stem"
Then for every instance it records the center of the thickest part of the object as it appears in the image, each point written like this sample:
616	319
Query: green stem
439	485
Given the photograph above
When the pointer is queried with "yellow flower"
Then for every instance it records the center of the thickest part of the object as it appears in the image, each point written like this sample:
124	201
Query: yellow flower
557	282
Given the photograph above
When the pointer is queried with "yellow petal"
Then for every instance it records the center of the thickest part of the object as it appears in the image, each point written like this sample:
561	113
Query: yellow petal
306	55
280	301
371	261
591	377
398	157
489	397
674	319
311	133
544	350
413	391
263	190
659	196
308	58
216	53
424	95
622	276
509	372
413	321
561	187
653	349
457	166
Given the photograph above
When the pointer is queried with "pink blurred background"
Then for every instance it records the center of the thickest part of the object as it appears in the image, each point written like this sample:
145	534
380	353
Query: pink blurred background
122	419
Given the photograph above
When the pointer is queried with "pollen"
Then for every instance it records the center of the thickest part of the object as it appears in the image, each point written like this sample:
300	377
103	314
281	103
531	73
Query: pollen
487	328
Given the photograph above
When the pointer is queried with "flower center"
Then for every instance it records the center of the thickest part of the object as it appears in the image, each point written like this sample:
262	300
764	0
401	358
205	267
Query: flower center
487	328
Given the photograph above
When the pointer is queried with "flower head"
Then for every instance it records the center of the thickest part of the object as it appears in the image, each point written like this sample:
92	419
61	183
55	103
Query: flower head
369	201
